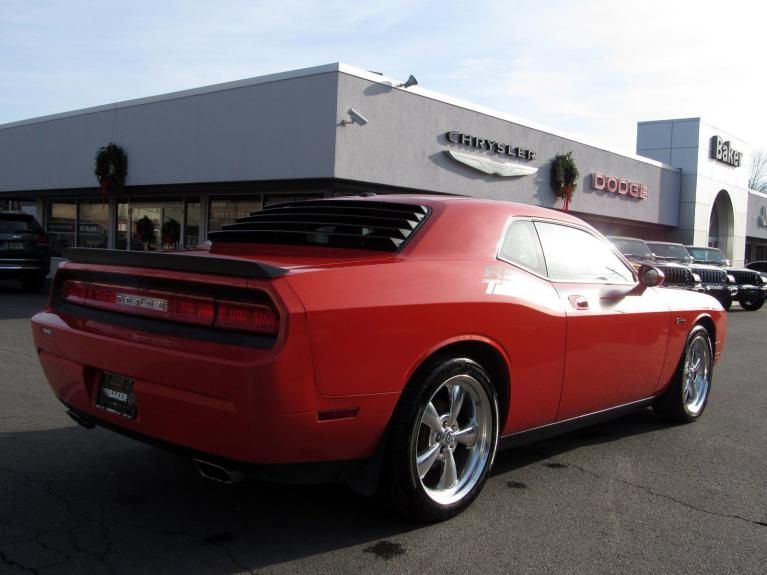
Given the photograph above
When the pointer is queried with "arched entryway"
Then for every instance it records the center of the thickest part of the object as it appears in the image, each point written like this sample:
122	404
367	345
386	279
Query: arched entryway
721	225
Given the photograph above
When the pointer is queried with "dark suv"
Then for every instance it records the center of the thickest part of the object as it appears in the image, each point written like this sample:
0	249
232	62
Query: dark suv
713	278
24	251
638	253
751	286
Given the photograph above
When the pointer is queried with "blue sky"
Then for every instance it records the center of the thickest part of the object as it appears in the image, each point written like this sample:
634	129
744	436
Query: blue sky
589	68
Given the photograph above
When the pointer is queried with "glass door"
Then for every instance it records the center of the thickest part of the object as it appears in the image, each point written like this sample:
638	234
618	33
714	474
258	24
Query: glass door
150	225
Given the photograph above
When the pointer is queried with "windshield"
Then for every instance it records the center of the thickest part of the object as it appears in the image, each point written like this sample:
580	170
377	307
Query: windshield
712	255
669	251
629	248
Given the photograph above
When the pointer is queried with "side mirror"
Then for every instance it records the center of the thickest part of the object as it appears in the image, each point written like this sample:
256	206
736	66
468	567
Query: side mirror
650	276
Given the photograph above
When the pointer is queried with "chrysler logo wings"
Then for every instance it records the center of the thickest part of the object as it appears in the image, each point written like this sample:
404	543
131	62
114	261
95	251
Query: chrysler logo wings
133	300
490	166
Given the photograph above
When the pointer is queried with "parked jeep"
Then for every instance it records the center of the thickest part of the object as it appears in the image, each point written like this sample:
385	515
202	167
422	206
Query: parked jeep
752	288
24	250
714	279
638	253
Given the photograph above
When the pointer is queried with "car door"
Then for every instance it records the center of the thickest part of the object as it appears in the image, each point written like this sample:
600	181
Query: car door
617	330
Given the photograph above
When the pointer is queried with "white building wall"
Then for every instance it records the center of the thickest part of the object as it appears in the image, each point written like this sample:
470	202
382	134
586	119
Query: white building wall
686	144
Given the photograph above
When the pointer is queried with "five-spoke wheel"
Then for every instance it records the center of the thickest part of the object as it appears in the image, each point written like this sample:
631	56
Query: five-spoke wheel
687	396
442	439
453	439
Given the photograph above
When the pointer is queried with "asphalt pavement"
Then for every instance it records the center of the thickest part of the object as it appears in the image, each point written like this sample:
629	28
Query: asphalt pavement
632	496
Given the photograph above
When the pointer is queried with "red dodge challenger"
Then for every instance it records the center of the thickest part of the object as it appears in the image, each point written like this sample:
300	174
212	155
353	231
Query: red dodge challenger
392	342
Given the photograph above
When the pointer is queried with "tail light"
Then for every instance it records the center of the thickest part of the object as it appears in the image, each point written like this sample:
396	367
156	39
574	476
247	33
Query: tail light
171	306
42	239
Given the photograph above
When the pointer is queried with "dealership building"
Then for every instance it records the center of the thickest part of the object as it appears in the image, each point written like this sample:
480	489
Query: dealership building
200	158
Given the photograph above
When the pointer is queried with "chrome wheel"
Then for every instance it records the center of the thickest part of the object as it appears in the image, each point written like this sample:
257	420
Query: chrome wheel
696	375
453	438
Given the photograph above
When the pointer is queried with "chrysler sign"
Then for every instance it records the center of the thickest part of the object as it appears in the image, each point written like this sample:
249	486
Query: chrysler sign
488	145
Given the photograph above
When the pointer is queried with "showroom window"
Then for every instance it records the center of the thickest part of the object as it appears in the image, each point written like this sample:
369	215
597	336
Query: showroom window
227	210
60	227
93	224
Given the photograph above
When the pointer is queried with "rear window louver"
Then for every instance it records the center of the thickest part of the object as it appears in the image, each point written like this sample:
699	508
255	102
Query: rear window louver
353	224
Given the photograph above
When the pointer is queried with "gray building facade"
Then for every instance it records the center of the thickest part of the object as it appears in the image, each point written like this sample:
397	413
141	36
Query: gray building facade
200	158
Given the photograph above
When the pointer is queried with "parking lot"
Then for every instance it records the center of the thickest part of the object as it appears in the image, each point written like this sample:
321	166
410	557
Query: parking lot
635	495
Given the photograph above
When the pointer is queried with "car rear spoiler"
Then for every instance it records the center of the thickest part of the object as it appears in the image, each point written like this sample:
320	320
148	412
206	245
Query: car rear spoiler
175	262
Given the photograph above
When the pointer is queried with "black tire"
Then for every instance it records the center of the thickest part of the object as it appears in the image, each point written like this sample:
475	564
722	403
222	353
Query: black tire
752	303
686	399
33	284
726	300
454	477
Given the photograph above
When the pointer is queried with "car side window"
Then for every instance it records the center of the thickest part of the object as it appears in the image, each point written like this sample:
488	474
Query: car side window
573	254
521	246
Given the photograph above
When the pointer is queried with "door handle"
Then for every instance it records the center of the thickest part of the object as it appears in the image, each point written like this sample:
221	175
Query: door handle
578	302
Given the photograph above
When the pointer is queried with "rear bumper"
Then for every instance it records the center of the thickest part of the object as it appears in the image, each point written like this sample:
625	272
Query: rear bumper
11	268
252	406
337	471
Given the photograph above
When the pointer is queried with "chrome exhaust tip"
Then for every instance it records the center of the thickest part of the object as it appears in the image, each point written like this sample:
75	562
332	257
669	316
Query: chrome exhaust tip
80	419
217	473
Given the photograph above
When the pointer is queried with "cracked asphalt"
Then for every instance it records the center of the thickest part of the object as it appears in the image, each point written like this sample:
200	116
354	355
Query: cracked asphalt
634	495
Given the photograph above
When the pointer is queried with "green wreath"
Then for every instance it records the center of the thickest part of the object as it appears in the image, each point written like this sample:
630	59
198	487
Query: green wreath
111	167
564	177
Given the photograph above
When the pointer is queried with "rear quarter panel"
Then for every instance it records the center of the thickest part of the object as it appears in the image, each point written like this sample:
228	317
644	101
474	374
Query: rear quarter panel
372	326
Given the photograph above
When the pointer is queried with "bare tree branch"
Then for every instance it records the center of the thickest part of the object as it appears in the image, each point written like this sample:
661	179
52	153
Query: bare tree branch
757	180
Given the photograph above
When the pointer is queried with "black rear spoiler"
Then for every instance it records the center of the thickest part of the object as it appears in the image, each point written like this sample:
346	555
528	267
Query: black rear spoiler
175	262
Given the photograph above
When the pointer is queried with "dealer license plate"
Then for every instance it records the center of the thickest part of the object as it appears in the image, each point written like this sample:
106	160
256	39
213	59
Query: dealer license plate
116	394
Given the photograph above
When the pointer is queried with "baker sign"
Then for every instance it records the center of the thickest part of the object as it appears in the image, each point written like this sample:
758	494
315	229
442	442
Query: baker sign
618	186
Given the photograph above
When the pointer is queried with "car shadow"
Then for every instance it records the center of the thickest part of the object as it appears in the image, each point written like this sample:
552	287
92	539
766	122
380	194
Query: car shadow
99	501
638	423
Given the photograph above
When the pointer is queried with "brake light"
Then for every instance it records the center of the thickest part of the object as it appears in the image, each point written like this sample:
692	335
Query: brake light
246	316
171	306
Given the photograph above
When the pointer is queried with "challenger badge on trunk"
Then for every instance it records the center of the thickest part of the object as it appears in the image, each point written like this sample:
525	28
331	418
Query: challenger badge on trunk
133	300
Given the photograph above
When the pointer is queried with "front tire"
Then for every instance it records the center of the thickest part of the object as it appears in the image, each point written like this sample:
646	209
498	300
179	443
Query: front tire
752	303
442	440
686	398
726	300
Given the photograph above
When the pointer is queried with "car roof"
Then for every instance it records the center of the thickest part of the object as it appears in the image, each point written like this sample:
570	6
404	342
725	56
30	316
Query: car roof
665	243
626	238
16	216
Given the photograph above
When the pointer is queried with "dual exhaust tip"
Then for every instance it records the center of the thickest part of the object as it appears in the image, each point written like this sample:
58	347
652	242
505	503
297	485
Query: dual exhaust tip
217	473
206	469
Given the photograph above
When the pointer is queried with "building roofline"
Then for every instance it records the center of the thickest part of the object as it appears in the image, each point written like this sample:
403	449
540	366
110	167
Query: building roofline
325	69
212	88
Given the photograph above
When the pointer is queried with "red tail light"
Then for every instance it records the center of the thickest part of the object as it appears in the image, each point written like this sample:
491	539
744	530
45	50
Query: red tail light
197	310
42	239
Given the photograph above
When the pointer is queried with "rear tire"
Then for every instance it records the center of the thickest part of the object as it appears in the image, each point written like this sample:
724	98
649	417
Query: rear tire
442	440
685	400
